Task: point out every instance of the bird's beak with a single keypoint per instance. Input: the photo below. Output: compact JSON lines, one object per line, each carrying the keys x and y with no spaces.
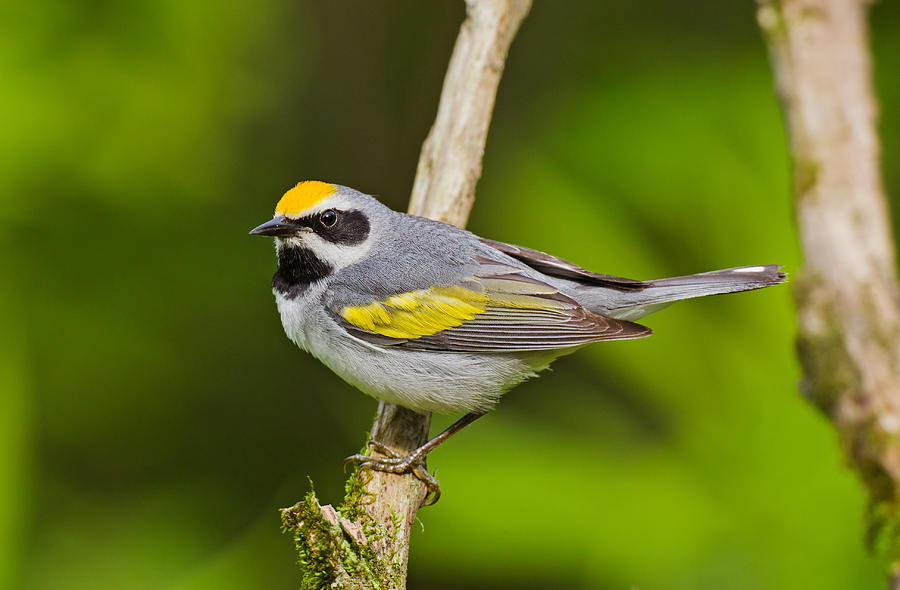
{"x":279,"y":226}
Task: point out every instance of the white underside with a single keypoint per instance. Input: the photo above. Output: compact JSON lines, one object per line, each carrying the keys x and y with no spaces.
{"x":442,"y":382}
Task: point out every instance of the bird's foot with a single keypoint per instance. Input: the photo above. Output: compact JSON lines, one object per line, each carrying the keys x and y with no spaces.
{"x":394,"y":462}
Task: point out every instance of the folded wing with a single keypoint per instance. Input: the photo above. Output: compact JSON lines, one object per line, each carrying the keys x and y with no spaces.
{"x":498,"y":309}
{"x":557,"y":267}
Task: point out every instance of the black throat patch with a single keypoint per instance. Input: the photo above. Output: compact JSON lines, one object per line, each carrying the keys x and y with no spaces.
{"x":298,"y":268}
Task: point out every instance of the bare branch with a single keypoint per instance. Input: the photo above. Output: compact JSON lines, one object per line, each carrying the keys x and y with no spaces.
{"x":366,"y":543}
{"x":847,"y":291}
{"x":450,"y":162}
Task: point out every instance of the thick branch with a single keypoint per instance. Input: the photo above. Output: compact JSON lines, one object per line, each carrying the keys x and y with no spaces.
{"x":366,"y":543}
{"x":847,"y":292}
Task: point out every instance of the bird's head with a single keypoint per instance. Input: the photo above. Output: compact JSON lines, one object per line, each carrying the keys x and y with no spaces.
{"x":331,"y":222}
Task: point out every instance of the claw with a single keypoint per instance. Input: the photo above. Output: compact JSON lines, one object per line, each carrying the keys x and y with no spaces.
{"x":355,"y":459}
{"x":372,"y":445}
{"x":435,"y":495}
{"x":394,"y":462}
{"x":382,"y":448}
{"x":431,"y":482}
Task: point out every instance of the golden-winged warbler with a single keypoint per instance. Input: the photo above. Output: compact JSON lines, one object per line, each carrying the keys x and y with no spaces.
{"x":434,"y":318}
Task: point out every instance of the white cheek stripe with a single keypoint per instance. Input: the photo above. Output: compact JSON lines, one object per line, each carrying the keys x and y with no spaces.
{"x":337,"y":255}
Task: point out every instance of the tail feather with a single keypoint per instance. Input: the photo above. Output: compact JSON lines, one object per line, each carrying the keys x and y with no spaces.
{"x":729,"y":280}
{"x":659,"y":293}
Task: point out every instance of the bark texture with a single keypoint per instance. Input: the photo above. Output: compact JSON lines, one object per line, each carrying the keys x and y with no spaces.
{"x":847,"y":291}
{"x":365,"y":542}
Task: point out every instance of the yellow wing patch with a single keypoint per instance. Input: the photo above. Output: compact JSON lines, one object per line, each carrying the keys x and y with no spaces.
{"x":428,"y":311}
{"x":520,"y":295}
{"x":418,"y":313}
{"x":303,"y":196}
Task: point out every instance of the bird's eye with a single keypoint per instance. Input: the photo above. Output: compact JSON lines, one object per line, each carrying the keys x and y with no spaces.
{"x":328,"y":218}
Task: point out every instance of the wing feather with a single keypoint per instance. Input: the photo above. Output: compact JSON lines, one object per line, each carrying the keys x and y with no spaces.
{"x":499,"y":309}
{"x":558,"y":267}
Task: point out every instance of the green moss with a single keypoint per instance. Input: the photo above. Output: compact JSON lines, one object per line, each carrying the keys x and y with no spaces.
{"x":771,"y":20}
{"x":883,"y":532}
{"x":356,"y":495}
{"x":328,"y":555}
{"x":806,"y":176}
{"x":396,"y":520}
{"x":313,"y":538}
{"x":882,"y":518}
{"x":830,"y":373}
{"x":834,"y":379}
{"x":870,"y":444}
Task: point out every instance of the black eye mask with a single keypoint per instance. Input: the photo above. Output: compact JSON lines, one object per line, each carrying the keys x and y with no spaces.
{"x":348,"y":228}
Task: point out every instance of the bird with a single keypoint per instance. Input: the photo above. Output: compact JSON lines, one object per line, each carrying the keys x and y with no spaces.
{"x":434,"y":318}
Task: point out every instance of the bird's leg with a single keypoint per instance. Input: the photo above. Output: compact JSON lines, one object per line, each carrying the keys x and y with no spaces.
{"x":395,"y":462}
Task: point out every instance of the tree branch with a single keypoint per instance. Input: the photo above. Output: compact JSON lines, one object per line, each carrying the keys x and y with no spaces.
{"x":847,"y":291}
{"x":365,"y":543}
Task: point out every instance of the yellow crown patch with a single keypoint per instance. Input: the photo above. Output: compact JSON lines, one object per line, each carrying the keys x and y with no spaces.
{"x":303,"y":196}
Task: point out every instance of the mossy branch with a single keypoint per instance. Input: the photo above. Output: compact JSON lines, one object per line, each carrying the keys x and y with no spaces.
{"x":365,"y":542}
{"x":847,"y":292}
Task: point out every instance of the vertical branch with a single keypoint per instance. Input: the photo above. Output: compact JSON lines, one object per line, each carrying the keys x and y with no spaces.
{"x":365,"y":543}
{"x":847,"y":291}
{"x":450,"y":162}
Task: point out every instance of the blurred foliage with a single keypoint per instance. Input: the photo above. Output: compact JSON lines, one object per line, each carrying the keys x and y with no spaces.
{"x":153,"y":417}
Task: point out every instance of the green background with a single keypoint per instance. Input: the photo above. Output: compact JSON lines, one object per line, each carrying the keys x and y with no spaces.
{"x":153,"y":417}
